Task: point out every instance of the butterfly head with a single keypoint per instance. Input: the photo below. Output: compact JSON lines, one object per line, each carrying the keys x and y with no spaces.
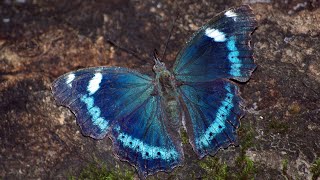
{"x":158,"y":65}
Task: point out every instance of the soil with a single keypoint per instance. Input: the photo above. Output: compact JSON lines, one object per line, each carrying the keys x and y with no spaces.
{"x":41,"y":40}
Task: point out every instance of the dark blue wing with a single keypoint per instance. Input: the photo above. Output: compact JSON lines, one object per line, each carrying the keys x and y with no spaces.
{"x":212,"y":114}
{"x":142,"y":138}
{"x":98,"y":95}
{"x":220,"y":49}
{"x":121,"y":103}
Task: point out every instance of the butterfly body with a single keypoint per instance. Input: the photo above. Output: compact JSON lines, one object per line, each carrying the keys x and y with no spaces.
{"x":143,"y":115}
{"x":167,"y":89}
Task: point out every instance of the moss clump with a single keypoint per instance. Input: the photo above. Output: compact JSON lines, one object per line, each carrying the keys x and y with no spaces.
{"x":217,"y":170}
{"x":246,"y":168}
{"x":315,"y":169}
{"x":246,"y":133}
{"x":285,"y":166}
{"x":97,"y":171}
{"x":214,"y":168}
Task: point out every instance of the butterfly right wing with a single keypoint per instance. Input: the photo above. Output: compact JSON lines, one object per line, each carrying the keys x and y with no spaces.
{"x":220,"y":50}
{"x":212,"y":112}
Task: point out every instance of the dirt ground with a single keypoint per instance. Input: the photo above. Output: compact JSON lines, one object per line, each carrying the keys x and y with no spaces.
{"x":41,"y":40}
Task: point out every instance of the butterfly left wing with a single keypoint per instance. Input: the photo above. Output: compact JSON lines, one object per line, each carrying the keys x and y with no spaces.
{"x":97,"y":95}
{"x":121,"y":103}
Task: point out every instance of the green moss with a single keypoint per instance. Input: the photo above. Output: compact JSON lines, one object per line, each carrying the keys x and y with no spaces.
{"x":214,"y":168}
{"x":278,"y":126}
{"x":246,"y":133}
{"x":315,"y":169}
{"x":285,"y":166}
{"x":246,"y":168}
{"x":98,"y":171}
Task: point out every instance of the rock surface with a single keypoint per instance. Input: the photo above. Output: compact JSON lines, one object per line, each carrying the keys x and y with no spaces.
{"x":41,"y":40}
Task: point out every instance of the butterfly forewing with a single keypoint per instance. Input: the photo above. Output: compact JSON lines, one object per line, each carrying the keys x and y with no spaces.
{"x":98,"y":95}
{"x":220,"y":49}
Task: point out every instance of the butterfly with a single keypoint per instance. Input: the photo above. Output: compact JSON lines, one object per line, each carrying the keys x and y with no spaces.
{"x":144,"y":115}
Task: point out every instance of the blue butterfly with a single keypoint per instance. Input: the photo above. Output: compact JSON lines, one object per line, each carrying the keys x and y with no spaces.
{"x":143,"y":115}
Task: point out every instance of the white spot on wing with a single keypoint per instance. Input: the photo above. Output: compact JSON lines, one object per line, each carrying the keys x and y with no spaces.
{"x":94,"y":83}
{"x":70,"y":78}
{"x":231,"y":14}
{"x":217,"y":35}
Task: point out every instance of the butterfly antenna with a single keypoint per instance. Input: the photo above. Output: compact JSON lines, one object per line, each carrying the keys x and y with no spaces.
{"x":169,"y":36}
{"x":155,"y":56}
{"x":133,"y":53}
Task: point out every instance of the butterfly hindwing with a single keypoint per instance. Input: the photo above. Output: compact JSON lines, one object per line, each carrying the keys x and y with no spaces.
{"x":220,"y":49}
{"x":120,"y":103}
{"x":213,"y":112}
{"x":142,"y":138}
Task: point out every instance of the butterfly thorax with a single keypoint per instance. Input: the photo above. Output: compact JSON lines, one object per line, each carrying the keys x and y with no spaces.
{"x":166,"y":88}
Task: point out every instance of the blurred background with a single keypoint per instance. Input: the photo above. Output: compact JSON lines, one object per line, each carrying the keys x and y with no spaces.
{"x":41,"y":40}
